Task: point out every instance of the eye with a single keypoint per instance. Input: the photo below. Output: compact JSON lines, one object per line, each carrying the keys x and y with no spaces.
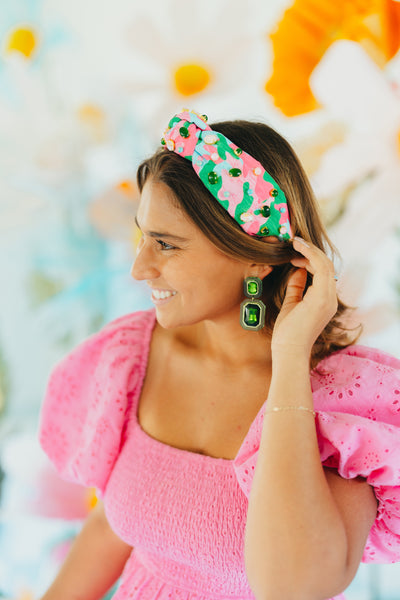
{"x":165,"y":246}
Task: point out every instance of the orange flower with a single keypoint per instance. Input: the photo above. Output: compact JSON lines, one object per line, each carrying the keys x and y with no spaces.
{"x":309,"y":27}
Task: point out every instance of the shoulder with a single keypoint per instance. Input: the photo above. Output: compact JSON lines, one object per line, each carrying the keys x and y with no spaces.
{"x":129,"y":334}
{"x":90,"y":395}
{"x":109,"y":361}
{"x":134,"y":327}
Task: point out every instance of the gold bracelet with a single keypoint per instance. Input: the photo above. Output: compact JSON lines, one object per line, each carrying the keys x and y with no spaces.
{"x":277,"y":408}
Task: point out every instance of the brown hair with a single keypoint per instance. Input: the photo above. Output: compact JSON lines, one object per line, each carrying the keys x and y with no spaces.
{"x":280,"y":160}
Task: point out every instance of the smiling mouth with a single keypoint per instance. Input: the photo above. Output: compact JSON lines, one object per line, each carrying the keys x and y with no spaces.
{"x":162,"y":294}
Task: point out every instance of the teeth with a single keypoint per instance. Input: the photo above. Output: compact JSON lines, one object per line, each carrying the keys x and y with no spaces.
{"x":161,"y":294}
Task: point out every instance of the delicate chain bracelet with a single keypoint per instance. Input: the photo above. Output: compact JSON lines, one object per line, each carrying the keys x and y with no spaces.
{"x":278,"y":408}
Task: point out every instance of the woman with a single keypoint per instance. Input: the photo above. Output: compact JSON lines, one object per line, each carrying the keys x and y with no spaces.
{"x":234,"y":434}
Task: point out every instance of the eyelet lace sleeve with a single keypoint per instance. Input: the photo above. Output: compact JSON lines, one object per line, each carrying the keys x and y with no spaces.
{"x":356,"y":394}
{"x":88,"y":398}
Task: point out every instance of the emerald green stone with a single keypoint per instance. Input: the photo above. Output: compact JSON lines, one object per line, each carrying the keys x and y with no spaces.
{"x":264,"y":231}
{"x":163,"y":142}
{"x":235,"y":172}
{"x":265,"y":211}
{"x":205,"y":118}
{"x":212,"y":177}
{"x":184,"y":131}
{"x":252,"y":288}
{"x":252,"y":315}
{"x":238,"y":151}
{"x":274,"y":193}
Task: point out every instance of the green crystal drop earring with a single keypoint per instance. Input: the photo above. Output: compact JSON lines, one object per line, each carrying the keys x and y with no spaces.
{"x":252,"y":312}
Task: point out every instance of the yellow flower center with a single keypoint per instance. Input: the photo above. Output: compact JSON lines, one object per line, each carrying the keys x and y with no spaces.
{"x":191,"y":79}
{"x":91,"y":498}
{"x":23,"y":40}
{"x":94,"y":120}
{"x":90,"y":112}
{"x":2,"y":400}
{"x":25,"y":595}
{"x":398,"y":142}
{"x":127,"y":187}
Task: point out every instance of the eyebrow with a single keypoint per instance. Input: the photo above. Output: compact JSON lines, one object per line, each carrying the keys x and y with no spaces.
{"x":157,"y":234}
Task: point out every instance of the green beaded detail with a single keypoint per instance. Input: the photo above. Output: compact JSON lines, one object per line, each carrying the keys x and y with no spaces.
{"x":163,"y":142}
{"x":265,"y":211}
{"x":213,"y":178}
{"x":215,"y":158}
{"x":172,"y":122}
{"x":252,"y":315}
{"x":252,"y":287}
{"x":184,"y":131}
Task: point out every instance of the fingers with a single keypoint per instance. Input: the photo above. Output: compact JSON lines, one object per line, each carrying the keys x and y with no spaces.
{"x":295,"y":288}
{"x":316,"y":262}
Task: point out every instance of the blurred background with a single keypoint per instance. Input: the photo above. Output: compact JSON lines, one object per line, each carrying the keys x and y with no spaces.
{"x":86,"y":89}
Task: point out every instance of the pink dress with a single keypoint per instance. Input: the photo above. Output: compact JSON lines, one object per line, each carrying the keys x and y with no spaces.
{"x":184,"y":513}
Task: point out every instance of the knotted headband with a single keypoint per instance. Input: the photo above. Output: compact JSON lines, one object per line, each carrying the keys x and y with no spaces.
{"x":237,"y":180}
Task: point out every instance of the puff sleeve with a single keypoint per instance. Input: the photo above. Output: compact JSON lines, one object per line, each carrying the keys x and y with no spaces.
{"x":356,"y":394}
{"x":88,"y":398}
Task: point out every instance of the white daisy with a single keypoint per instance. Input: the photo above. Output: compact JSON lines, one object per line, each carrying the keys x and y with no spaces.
{"x":206,"y":56}
{"x":356,"y":92}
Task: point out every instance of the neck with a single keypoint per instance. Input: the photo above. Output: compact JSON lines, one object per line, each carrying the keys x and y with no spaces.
{"x":224,"y":342}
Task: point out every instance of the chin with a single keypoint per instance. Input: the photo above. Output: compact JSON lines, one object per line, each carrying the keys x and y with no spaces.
{"x":168,"y":321}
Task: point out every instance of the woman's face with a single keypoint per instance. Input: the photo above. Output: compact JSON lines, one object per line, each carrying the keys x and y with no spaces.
{"x":191,"y":280}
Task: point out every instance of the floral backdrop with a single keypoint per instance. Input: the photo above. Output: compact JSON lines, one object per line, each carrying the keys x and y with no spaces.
{"x":86,"y":87}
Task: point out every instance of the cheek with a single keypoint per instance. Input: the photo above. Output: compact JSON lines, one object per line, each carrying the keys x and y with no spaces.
{"x":204,"y":274}
{"x":223,"y":283}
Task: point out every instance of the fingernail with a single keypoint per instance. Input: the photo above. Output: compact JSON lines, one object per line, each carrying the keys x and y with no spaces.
{"x":299,"y":239}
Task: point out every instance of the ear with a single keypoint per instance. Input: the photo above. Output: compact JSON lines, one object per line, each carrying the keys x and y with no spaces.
{"x":258,"y":270}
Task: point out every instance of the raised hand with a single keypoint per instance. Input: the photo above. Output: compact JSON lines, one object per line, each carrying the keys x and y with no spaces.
{"x":303,"y":317}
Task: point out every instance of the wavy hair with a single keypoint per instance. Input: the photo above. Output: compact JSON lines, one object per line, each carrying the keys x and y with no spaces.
{"x":279,"y":159}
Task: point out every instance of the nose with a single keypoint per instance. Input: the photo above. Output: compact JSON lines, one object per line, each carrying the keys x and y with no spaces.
{"x":144,"y":266}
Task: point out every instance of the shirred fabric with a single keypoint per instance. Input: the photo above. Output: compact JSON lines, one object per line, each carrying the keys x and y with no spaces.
{"x":184,"y":513}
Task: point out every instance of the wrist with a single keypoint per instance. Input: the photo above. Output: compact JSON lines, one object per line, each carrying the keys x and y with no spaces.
{"x":295,"y":354}
{"x":290,"y":375}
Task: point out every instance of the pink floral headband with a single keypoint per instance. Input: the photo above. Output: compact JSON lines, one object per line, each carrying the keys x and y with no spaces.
{"x":237,"y":180}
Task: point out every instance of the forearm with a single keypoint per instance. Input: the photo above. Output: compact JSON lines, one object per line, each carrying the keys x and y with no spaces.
{"x":294,"y":529}
{"x":94,"y":563}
